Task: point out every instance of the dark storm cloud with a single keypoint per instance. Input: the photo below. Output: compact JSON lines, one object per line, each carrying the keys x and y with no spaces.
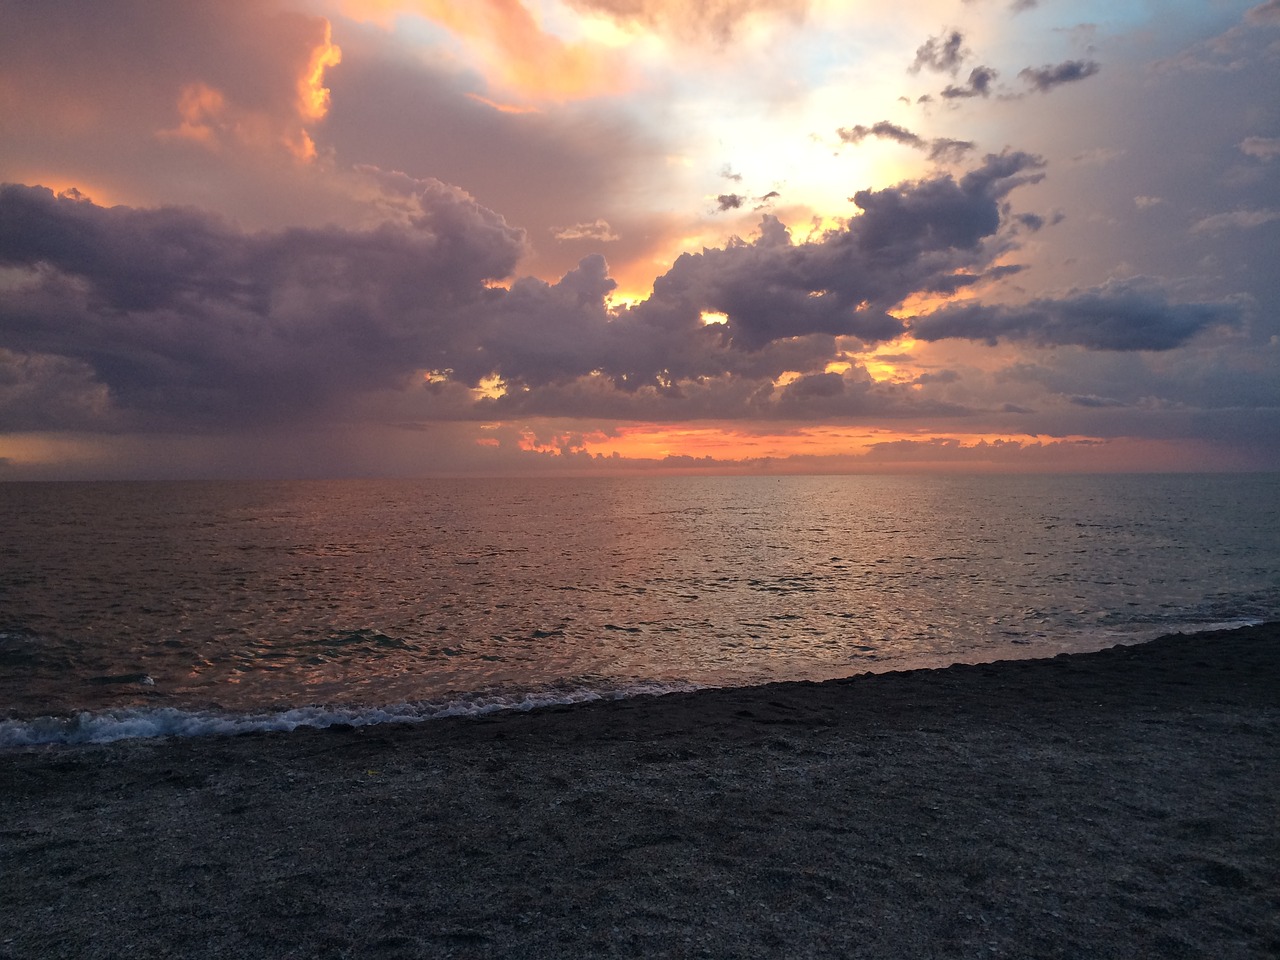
{"x":979,"y":85}
{"x":1119,"y":315}
{"x":729,"y":201}
{"x":47,"y":392}
{"x":171,"y":317}
{"x":1044,"y":79}
{"x":943,"y":213}
{"x":186,"y":319}
{"x":941,"y":54}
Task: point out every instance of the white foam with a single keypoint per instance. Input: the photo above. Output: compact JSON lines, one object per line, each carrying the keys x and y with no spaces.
{"x":150,"y":722}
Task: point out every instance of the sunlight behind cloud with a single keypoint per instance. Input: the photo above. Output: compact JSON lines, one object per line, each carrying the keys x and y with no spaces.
{"x":510,"y":46}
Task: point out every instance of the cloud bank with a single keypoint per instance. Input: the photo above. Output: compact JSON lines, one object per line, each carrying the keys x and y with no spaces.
{"x":171,"y":318}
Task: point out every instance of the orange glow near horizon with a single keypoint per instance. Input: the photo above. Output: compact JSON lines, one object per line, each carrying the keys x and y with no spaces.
{"x":730,"y":445}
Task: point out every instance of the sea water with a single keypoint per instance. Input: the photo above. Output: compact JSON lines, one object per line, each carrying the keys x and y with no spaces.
{"x":131,"y":609}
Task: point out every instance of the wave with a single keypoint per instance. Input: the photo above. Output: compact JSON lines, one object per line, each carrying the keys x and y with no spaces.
{"x":107,"y":726}
{"x":153,"y":722}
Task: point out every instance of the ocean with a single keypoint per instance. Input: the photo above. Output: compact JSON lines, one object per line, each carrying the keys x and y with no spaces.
{"x":154,"y":609}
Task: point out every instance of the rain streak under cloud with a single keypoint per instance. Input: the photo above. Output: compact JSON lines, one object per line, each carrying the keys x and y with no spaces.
{"x":334,"y":238}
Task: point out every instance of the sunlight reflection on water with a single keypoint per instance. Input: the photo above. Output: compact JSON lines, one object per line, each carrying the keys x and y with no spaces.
{"x":244,"y":595}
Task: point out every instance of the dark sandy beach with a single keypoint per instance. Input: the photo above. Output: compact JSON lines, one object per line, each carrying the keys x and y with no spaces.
{"x":1119,"y":804}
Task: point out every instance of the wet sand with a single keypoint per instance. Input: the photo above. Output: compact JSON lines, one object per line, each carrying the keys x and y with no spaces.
{"x":1118,"y":804}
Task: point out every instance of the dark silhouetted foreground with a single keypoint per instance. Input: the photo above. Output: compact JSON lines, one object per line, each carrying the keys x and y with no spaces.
{"x":1116,"y":804}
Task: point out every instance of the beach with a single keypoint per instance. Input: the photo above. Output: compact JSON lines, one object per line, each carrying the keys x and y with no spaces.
{"x":1121,"y":803}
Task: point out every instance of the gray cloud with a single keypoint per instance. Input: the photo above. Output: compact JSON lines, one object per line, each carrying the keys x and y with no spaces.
{"x":947,"y":149}
{"x":978,"y":85}
{"x":1044,"y":79}
{"x":1264,"y":148}
{"x":187,"y":319}
{"x":883,"y":129}
{"x":1264,"y":14}
{"x":1118,"y":315}
{"x":172,"y":317}
{"x":1094,"y":401}
{"x":1234,"y":220}
{"x":941,"y":54}
{"x":574,"y":161}
{"x":1235,"y":49}
{"x":942,"y":149}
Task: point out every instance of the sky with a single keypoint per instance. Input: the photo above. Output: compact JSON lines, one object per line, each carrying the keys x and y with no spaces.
{"x":312,"y":238}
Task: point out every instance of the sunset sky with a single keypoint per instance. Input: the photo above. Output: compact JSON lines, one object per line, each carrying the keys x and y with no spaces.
{"x":406,"y":237}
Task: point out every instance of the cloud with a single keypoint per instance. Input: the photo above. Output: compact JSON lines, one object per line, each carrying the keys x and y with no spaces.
{"x":186,"y":319}
{"x":575,"y":161}
{"x":946,"y":149}
{"x":1235,"y":220}
{"x":883,"y":129}
{"x":171,"y":317}
{"x":941,"y":54}
{"x":598,"y":230}
{"x":1044,"y":79}
{"x":45,"y":392}
{"x":941,"y":149}
{"x":729,"y":201}
{"x":1094,"y":401}
{"x":1121,"y":315}
{"x":229,"y":76}
{"x":1264,"y":14}
{"x":1264,"y":148}
{"x":1234,"y":50}
{"x":979,"y":85}
{"x":717,"y":20}
{"x":510,"y":48}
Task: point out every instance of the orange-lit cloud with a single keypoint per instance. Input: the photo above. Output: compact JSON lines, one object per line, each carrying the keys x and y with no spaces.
{"x":504,"y":107}
{"x":514,"y":49}
{"x":313,"y":95}
{"x":208,"y":117}
{"x":719,"y":21}
{"x":203,"y":111}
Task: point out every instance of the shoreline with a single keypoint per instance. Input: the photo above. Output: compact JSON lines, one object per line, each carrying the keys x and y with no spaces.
{"x":1115,"y":803}
{"x":159,"y":718}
